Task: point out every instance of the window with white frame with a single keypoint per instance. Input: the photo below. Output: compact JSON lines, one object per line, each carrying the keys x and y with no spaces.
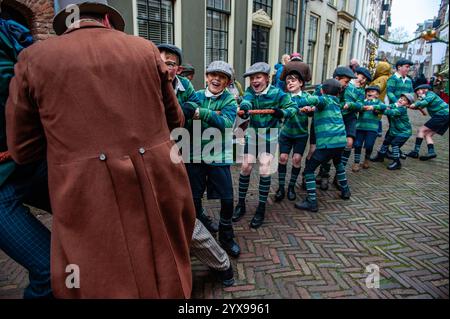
{"x":327,"y":49}
{"x":217,"y":23}
{"x":155,"y":19}
{"x":291,"y":25}
{"x":266,"y":5}
{"x":312,"y":40}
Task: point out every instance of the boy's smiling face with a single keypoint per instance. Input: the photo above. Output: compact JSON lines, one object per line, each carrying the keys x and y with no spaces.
{"x":421,"y":92}
{"x":361,"y":79}
{"x":259,"y":82}
{"x":217,"y":82}
{"x":404,"y":70}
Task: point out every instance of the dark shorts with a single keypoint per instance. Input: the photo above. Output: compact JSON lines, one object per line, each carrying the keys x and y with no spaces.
{"x":438,"y":124}
{"x":395,"y":140}
{"x":350,"y":125}
{"x":312,"y":134}
{"x":366,"y":139}
{"x":298,"y":145}
{"x":256,"y":150}
{"x":216,"y":180}
{"x":323,"y":156}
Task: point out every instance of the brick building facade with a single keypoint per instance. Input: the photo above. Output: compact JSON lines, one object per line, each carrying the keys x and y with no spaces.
{"x":37,"y":15}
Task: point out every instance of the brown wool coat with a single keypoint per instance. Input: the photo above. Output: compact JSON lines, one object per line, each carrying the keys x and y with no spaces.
{"x":99,"y":104}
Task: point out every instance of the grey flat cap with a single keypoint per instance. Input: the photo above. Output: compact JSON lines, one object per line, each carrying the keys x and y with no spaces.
{"x":260,"y":67}
{"x":221,"y":67}
{"x":409,"y":97}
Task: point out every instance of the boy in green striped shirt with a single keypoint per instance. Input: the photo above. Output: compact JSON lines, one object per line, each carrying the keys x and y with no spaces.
{"x":209,"y":168}
{"x":366,"y":128}
{"x":400,"y":128}
{"x":438,"y":124}
{"x":294,"y":133}
{"x":262,"y":136}
{"x":331,"y":139}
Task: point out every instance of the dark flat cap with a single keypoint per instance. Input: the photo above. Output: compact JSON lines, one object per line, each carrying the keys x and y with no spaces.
{"x":331,"y":87}
{"x":344,"y":71}
{"x":402,"y":62}
{"x":172,"y":49}
{"x":373,"y":88}
{"x":423,"y":86}
{"x":365,"y":72}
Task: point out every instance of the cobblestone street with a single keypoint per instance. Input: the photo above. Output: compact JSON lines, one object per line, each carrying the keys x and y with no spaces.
{"x":395,"y":220}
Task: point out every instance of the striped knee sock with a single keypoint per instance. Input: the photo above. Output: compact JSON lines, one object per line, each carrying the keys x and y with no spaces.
{"x":294,"y":176}
{"x":396,"y":152}
{"x":311,"y":187}
{"x":384,"y":148}
{"x":244,"y":182}
{"x":226,"y":214}
{"x":264,"y":188}
{"x":418,"y":144}
{"x":341,"y":177}
{"x":431,"y":149}
{"x":282,"y":169}
{"x":358,"y":151}
{"x":345,"y":156}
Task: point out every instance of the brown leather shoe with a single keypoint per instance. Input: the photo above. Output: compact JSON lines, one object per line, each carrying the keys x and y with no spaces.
{"x":366,"y":164}
{"x":356,"y":168}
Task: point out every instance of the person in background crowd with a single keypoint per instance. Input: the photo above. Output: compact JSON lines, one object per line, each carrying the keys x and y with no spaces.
{"x":354,"y":63}
{"x":22,"y":236}
{"x":276,"y":81}
{"x":382,"y":74}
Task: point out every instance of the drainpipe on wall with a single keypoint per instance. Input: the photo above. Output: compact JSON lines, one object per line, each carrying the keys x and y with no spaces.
{"x":354,"y":30}
{"x":301,"y":34}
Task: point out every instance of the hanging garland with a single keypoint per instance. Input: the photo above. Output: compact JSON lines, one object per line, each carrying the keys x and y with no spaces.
{"x":429,"y":35}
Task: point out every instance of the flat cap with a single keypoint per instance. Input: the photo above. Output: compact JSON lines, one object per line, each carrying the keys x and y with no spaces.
{"x":221,"y":67}
{"x":402,"y":62}
{"x":373,"y":88}
{"x":331,"y":87}
{"x":423,"y":86}
{"x":409,"y":97}
{"x":344,"y":71}
{"x":365,"y":72}
{"x":172,"y":49}
{"x":259,"y":67}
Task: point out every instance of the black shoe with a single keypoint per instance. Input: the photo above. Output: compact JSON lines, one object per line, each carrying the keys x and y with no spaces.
{"x":208,"y":222}
{"x":226,"y":276}
{"x":307,"y":205}
{"x":239,"y":212}
{"x":279,"y":196}
{"x":413,"y":154}
{"x":324,"y":183}
{"x":258,"y":219}
{"x":226,"y":240}
{"x":379,"y":158}
{"x":291,"y":193}
{"x":395,"y":165}
{"x":427,"y":157}
{"x":346,"y":194}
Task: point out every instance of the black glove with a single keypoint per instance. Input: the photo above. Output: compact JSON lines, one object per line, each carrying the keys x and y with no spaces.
{"x":188,"y":111}
{"x":278,"y":113}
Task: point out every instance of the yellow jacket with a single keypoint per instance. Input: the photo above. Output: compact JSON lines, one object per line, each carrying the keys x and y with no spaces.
{"x":382,"y":74}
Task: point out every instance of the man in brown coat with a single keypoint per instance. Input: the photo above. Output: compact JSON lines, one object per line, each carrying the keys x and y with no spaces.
{"x":99,"y":105}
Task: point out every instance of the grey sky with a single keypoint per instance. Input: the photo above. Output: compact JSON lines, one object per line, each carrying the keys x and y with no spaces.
{"x":407,"y":13}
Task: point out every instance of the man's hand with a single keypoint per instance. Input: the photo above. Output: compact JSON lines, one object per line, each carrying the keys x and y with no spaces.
{"x":278,"y":113}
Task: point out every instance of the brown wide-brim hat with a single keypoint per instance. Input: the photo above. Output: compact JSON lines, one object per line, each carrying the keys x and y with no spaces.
{"x":298,"y":67}
{"x":115,"y":18}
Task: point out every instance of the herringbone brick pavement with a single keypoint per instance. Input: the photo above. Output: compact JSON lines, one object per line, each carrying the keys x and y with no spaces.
{"x":395,"y":220}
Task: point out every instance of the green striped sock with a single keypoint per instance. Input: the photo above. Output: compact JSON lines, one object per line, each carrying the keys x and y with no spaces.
{"x":282,"y":169}
{"x":311,"y":187}
{"x":244,"y":182}
{"x":264,"y":188}
{"x":294,"y":176}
